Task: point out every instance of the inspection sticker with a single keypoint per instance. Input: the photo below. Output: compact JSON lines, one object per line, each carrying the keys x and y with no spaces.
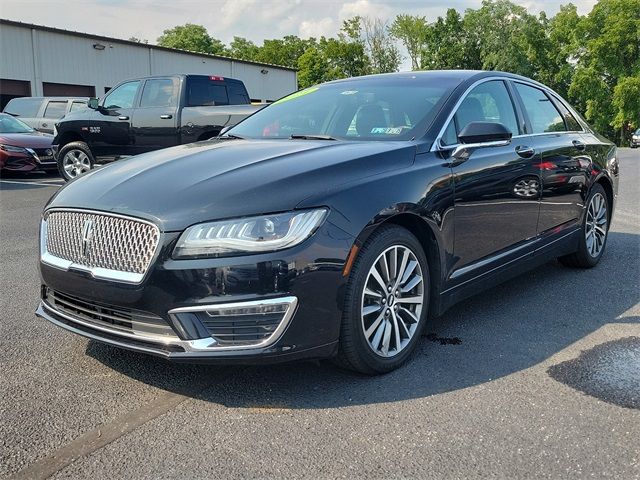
{"x":387,"y":130}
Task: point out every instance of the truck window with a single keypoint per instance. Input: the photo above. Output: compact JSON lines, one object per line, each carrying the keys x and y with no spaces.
{"x":55,"y":109}
{"x":237,"y":94}
{"x":23,"y":107}
{"x":158,"y":92}
{"x":203,"y":91}
{"x":122,"y":96}
{"x":75,"y":106}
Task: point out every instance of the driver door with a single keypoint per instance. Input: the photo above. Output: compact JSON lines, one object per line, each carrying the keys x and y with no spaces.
{"x":496,"y":190}
{"x":110,"y":132}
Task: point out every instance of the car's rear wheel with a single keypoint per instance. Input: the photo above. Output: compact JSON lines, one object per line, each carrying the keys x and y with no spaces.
{"x":386,"y":302}
{"x":74,"y":159}
{"x":595,"y":229}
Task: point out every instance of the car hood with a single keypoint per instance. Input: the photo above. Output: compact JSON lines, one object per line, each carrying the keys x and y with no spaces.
{"x":188,"y":184}
{"x":31,"y":139}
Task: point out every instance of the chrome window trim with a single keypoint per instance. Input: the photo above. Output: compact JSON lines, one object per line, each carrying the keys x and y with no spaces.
{"x":212,"y":345}
{"x":437,"y":144}
{"x":95,"y":272}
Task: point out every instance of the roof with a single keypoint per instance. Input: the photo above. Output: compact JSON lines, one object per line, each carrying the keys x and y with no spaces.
{"x":137,"y":44}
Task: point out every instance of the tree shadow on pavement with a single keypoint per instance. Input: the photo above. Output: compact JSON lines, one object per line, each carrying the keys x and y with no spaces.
{"x":501,"y":331}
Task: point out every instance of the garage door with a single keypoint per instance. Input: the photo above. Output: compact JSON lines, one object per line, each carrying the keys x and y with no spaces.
{"x":11,"y":89}
{"x":67,"y":90}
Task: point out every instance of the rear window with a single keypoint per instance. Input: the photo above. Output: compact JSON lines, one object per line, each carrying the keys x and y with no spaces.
{"x":203,"y":91}
{"x":78,"y":106}
{"x":543,"y":115}
{"x":159,"y":92}
{"x":237,"y":94}
{"x":55,"y":109}
{"x":23,"y":107}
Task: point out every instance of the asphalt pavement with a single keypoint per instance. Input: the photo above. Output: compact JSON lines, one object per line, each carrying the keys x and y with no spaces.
{"x":539,"y":377}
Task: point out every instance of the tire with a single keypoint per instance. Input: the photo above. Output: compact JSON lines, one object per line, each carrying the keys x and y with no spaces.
{"x":365,"y":352}
{"x":74,"y":159}
{"x":588,"y":254}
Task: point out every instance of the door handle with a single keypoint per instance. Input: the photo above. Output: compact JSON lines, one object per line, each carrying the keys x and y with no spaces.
{"x":166,"y":116}
{"x":123,"y":117}
{"x":579,"y":145}
{"x":525,"y":152}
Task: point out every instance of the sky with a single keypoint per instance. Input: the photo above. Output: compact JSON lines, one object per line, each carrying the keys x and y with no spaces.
{"x":224,"y":19}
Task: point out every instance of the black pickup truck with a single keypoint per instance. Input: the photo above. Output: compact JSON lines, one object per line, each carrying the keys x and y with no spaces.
{"x":145,"y":114}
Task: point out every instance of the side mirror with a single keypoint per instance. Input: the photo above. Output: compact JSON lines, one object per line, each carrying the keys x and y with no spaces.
{"x":480,"y":135}
{"x":93,"y":103}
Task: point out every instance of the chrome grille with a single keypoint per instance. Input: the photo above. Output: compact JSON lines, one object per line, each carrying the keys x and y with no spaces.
{"x":118,"y":319}
{"x":103,"y":241}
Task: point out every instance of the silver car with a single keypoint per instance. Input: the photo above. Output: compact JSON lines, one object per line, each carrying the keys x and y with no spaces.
{"x":42,"y":113}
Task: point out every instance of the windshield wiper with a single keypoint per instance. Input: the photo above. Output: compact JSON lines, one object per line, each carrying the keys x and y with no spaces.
{"x":231,"y":136}
{"x":311,"y":136}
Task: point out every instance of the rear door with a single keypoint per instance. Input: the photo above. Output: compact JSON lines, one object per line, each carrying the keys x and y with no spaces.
{"x":54,"y":110}
{"x":496,"y":191}
{"x":110,"y":131}
{"x":155,"y":122}
{"x":563,"y":158}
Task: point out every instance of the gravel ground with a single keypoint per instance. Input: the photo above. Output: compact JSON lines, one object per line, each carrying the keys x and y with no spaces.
{"x":534,"y":378}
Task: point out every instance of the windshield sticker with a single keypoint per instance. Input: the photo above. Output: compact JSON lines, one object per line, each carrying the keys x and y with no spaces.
{"x":387,"y":130}
{"x":349,"y":92}
{"x":299,"y":94}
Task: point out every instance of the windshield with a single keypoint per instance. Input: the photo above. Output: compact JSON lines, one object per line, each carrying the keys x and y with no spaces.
{"x":8,"y":124}
{"x":372,"y":109}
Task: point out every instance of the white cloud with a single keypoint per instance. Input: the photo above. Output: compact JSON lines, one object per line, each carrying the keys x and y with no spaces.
{"x":224,"y":19}
{"x":317,"y":28}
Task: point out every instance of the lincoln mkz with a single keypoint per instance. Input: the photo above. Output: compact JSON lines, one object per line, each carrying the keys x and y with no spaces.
{"x":336,"y":222}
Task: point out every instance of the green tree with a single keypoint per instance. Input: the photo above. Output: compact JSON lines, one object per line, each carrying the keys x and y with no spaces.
{"x":563,"y":47}
{"x":242,"y":48}
{"x":626,"y":100}
{"x":313,"y":68}
{"x":608,"y":56}
{"x":191,"y":37}
{"x":285,"y":51}
{"x":381,"y":50}
{"x":412,"y":31}
{"x":449,"y":45}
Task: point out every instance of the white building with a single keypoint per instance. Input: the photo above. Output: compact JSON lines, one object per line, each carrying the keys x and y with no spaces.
{"x":44,"y":61}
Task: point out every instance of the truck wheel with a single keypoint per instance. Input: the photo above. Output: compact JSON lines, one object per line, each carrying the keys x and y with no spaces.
{"x":74,"y":159}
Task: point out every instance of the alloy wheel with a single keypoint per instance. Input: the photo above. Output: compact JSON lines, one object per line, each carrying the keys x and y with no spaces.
{"x":76,"y":162}
{"x":392,"y":301}
{"x":527,"y":188}
{"x":596,"y":225}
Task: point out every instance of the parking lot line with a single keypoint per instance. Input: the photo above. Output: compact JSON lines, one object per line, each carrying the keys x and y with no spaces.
{"x":99,"y":437}
{"x":27,"y":182}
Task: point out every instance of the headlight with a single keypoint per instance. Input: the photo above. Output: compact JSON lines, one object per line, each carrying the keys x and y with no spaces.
{"x":11,"y":148}
{"x":265,"y":233}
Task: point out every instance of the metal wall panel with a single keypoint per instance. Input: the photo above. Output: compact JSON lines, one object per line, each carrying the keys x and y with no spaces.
{"x":16,"y":60}
{"x":39,"y":55}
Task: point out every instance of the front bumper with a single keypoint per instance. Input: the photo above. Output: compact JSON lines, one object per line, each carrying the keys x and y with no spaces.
{"x":310,"y":273}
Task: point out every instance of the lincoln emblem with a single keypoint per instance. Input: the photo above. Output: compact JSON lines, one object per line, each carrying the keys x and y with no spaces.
{"x":87,"y":234}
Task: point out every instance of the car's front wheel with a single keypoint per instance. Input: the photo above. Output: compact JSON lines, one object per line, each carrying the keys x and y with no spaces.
{"x":74,"y":159}
{"x":595,"y":228}
{"x":386,"y":302}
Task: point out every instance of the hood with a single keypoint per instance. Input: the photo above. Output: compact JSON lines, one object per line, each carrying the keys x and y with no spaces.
{"x":29,"y":140}
{"x":188,"y":184}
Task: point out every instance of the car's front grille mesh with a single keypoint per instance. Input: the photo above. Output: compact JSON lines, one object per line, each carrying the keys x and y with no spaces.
{"x":101,"y":240}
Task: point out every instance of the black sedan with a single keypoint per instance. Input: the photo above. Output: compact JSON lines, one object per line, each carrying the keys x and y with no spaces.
{"x":334,"y":223}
